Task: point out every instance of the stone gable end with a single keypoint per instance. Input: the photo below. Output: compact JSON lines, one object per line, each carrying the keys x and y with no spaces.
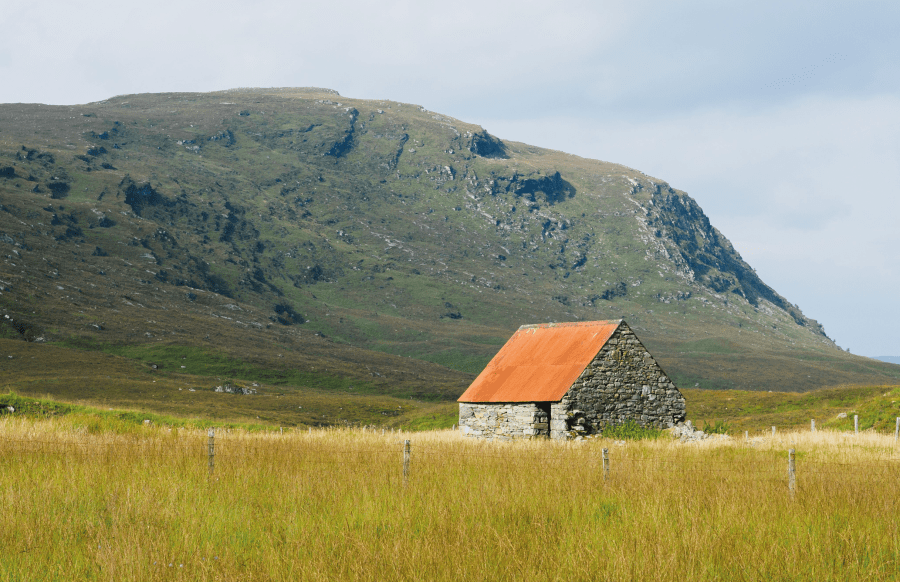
{"x":622,"y":383}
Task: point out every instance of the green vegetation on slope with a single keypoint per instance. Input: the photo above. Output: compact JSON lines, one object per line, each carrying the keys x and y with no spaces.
{"x":832,"y":408}
{"x":109,"y":382}
{"x":300,"y":221}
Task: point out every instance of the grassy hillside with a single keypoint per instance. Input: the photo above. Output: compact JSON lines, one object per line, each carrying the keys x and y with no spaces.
{"x":283,"y":396}
{"x":386,"y":243}
{"x":832,"y":408}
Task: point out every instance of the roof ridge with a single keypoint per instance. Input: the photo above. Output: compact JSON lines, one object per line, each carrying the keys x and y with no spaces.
{"x":550,"y":324}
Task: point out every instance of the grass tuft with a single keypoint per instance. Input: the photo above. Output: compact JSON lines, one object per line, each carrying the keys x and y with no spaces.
{"x":630,"y":430}
{"x":720,"y":427}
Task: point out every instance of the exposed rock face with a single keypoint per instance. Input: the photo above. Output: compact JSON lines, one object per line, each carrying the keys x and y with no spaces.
{"x":623,"y":383}
{"x":346,"y":141}
{"x":487,"y":146}
{"x":140,"y":196}
{"x":709,"y":258}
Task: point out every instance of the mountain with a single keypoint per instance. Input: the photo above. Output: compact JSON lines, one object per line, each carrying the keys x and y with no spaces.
{"x":375,"y":240}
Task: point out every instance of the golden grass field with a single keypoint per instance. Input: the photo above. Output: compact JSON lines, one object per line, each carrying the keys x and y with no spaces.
{"x":83,"y":499}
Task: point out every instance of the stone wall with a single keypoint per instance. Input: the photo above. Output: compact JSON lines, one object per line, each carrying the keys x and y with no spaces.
{"x":503,"y":421}
{"x":622,"y":383}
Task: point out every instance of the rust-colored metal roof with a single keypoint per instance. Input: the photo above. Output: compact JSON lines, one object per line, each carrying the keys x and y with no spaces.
{"x":540,"y":362}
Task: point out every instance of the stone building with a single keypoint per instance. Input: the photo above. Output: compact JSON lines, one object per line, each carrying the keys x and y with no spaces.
{"x":565,"y":380}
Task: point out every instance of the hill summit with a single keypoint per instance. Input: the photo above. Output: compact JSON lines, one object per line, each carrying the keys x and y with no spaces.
{"x":379,"y":236}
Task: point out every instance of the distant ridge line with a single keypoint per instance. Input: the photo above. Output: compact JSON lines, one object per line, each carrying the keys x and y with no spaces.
{"x":278,"y":89}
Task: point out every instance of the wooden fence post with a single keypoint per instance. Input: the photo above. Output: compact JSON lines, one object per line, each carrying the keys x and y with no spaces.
{"x":746,"y":436}
{"x":792,"y":484}
{"x":773,"y":432}
{"x":605,"y":464}
{"x":897,"y":430}
{"x":406,"y":451}
{"x":812,"y":425}
{"x":856,"y":423}
{"x":211,"y":451}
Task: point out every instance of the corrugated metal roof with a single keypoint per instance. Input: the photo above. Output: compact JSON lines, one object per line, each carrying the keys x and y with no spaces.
{"x":540,"y":362}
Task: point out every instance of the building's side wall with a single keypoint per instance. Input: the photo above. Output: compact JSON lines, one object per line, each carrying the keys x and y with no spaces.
{"x":503,"y":421}
{"x":622,"y":383}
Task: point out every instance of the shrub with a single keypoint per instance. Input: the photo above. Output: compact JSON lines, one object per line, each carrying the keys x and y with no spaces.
{"x":721,"y":427}
{"x":631,"y":430}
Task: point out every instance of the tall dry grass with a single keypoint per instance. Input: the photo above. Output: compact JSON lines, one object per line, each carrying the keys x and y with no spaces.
{"x":81,"y":503}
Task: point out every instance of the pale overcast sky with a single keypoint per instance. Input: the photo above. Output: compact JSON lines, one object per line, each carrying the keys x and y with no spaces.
{"x":782,"y":119}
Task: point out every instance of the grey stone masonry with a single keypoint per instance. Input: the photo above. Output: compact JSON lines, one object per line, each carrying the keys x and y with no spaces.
{"x":503,"y":421}
{"x":622,"y":383}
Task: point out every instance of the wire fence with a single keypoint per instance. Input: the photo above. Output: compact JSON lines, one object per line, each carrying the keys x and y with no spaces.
{"x":766,"y":465}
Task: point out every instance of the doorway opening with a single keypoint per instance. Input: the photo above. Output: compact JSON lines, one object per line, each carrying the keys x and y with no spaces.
{"x":545,"y":408}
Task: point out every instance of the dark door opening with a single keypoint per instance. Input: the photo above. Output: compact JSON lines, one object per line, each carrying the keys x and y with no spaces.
{"x":545,"y":408}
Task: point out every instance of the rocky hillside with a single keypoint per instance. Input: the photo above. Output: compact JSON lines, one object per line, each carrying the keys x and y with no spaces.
{"x":320,"y":228}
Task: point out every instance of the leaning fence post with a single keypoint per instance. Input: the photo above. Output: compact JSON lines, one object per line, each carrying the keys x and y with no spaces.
{"x":792,"y":484}
{"x":605,"y":464}
{"x":406,"y":448}
{"x":211,"y":452}
{"x":812,"y":425}
{"x":856,"y":423}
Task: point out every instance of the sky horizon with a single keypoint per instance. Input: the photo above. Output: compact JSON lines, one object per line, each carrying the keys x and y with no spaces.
{"x":780,"y":119}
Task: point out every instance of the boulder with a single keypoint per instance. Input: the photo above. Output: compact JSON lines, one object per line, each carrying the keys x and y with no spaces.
{"x":230,"y":388}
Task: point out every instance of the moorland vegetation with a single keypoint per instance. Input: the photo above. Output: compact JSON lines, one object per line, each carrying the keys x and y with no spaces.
{"x":300,"y":238}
